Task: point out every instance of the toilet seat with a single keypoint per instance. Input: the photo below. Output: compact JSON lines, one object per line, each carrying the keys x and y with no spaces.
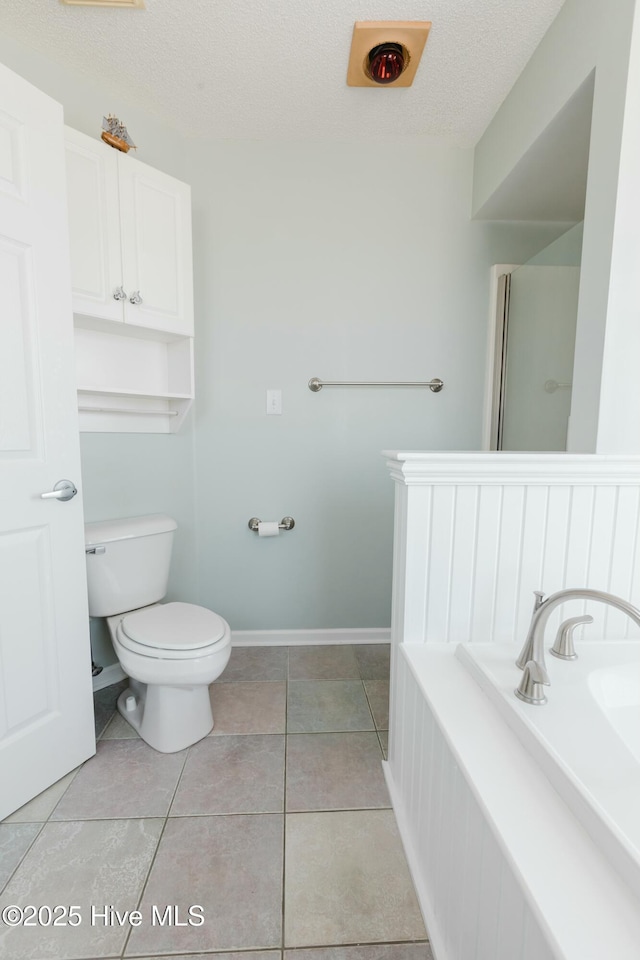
{"x":173,"y":631}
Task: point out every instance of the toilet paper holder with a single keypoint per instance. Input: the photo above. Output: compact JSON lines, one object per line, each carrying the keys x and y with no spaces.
{"x":287,"y":523}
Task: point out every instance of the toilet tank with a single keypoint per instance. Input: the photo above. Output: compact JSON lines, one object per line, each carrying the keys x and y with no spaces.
{"x":127,"y":562}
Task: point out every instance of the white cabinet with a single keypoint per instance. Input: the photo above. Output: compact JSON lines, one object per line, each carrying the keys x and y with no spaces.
{"x":155,"y":230}
{"x":130,"y":230}
{"x":94,"y":227}
{"x":132,"y":286}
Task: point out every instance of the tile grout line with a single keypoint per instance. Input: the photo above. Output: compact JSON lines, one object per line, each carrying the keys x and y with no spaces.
{"x":21,"y":860}
{"x":68,"y":787}
{"x":284,"y":807}
{"x":199,"y":953}
{"x":377,"y":729}
{"x":43,"y":824}
{"x":100,"y":736}
{"x":353,"y":943}
{"x":155,"y":853}
{"x":373,"y":719}
{"x":203,"y":816}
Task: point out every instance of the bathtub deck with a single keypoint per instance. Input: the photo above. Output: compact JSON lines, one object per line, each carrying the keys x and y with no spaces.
{"x":502,"y":866}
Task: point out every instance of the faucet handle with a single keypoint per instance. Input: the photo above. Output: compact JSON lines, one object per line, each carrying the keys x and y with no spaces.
{"x":539,"y":599}
{"x":563,"y":647}
{"x":534,"y":677}
{"x":526,"y":654}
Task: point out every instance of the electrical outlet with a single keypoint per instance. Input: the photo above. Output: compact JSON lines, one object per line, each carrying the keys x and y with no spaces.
{"x":274,"y":402}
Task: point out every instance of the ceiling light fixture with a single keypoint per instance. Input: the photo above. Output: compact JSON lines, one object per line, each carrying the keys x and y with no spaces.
{"x":386,"y":62}
{"x":386,"y":53}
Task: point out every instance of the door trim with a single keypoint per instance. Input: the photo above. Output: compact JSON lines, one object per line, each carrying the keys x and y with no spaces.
{"x":495,"y":338}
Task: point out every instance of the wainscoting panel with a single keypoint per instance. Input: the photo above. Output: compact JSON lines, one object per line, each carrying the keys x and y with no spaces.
{"x":474,"y":906}
{"x":476,"y":534}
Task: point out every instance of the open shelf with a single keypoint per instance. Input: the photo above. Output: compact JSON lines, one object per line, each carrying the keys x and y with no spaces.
{"x":135,"y":393}
{"x":131,"y":383}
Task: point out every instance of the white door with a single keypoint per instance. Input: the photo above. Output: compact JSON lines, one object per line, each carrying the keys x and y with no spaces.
{"x":46,"y":708}
{"x":155,"y":226}
{"x":94,"y":227}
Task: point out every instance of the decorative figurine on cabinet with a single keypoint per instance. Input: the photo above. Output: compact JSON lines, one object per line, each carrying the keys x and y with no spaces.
{"x":115,"y":134}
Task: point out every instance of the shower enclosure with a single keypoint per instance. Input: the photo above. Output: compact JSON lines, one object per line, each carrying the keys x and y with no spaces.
{"x":533,"y":364}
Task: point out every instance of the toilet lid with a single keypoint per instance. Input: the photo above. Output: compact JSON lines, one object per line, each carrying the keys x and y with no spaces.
{"x":174,"y":626}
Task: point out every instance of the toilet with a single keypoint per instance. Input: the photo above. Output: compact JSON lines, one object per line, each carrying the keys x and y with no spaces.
{"x":171,"y":652}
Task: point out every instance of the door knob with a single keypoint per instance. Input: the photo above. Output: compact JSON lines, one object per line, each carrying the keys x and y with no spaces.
{"x":135,"y":297}
{"x":63,"y":490}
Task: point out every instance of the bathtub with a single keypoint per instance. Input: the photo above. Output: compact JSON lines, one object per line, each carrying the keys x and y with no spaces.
{"x":521,"y":824}
{"x":586,"y":738}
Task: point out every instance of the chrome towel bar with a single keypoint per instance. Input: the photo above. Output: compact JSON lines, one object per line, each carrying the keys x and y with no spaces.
{"x":315,"y":384}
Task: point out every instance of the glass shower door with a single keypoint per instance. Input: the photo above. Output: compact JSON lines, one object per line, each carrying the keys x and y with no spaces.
{"x":538,"y":365}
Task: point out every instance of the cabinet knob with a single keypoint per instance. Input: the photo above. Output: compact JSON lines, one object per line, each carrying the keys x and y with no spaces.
{"x":119,"y":294}
{"x":135,"y":297}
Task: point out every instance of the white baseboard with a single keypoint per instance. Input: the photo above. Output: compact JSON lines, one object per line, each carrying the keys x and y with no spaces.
{"x":111,"y":674}
{"x":436,"y":941}
{"x":272,"y":638}
{"x":298,"y":638}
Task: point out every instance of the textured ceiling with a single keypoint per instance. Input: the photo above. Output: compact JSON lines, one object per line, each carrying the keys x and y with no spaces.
{"x":276,"y":69}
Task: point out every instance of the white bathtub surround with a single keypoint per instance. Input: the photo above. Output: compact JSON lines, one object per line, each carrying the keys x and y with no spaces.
{"x":502,"y":866}
{"x":477,"y":533}
{"x":586,"y":738}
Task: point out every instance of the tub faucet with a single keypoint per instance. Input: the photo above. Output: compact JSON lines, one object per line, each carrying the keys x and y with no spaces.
{"x":531,"y":659}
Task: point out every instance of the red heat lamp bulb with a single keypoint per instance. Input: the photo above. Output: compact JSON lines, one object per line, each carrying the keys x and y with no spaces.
{"x":386,"y":62}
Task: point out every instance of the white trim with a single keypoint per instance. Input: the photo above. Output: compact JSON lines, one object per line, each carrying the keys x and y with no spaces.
{"x":420,"y":468}
{"x":496,"y":272}
{"x":470,"y":759}
{"x":273,"y":638}
{"x":111,"y":674}
{"x":298,"y":638}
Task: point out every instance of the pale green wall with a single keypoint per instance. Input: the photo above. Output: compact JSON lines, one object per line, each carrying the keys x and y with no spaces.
{"x":586,"y":37}
{"x":310,"y":260}
{"x":566,"y":251}
{"x":125,"y":475}
{"x":85,"y":103}
{"x":318,"y":260}
{"x":619,"y":413}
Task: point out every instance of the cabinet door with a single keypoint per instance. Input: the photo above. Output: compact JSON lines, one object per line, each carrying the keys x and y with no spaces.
{"x":94,"y":226}
{"x":155,"y":219}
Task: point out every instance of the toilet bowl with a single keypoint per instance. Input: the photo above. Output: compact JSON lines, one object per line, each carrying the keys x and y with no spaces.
{"x":170,"y":651}
{"x":173,"y":651}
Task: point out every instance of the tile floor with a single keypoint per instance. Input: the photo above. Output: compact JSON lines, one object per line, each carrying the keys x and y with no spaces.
{"x":278,"y":825}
